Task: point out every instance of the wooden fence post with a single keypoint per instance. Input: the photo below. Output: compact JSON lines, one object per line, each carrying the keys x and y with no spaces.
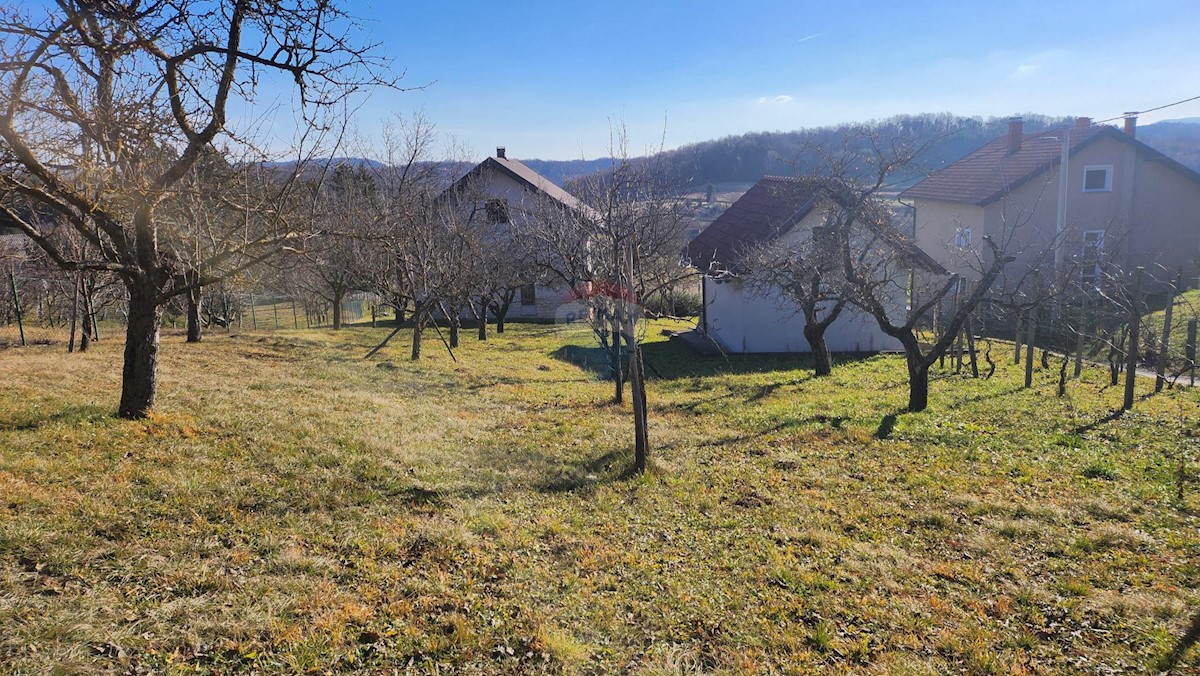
{"x":253,"y":316}
{"x":1030,"y":341}
{"x":1160,"y":378}
{"x":1191,"y":350}
{"x":1131,"y":351}
{"x":1080,"y":335}
{"x":12,"y":280}
{"x":1018,"y":327}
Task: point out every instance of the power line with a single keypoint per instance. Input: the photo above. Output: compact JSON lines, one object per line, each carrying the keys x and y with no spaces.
{"x":1151,"y":110}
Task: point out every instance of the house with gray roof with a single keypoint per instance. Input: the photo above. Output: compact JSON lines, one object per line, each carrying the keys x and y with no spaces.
{"x":504,"y":191}
{"x":792,"y":211}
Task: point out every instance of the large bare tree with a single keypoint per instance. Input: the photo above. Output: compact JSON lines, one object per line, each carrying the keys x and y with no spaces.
{"x":107,"y":108}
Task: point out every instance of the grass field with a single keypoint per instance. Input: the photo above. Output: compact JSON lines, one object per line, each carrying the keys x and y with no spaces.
{"x":292,"y":507}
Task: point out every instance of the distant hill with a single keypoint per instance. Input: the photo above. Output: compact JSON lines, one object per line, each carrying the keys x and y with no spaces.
{"x":561,"y":171}
{"x":745,"y":158}
{"x":1177,"y":139}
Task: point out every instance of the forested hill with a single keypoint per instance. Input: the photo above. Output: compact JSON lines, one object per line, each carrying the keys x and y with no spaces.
{"x":748,"y":157}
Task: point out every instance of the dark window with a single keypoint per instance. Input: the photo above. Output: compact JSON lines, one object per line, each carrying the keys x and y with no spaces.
{"x":528,"y":295}
{"x":825,"y":246}
{"x":497,"y":211}
{"x":1097,"y":179}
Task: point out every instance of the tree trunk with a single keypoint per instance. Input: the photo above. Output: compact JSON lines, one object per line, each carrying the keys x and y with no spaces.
{"x":918,"y":387}
{"x":637,"y":389}
{"x":455,"y":323}
{"x":337,"y":310}
{"x":482,"y":329}
{"x":822,"y":360}
{"x":502,"y":312}
{"x":418,"y":329}
{"x":193,"y":315}
{"x":139,"y":380}
{"x":87,"y":331}
{"x":74,"y":314}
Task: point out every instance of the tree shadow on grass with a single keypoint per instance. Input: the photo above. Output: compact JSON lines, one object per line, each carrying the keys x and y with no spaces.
{"x":888,"y":424}
{"x":1189,"y":639}
{"x":1112,"y":415}
{"x":69,"y":414}
{"x":616,"y":465}
{"x":667,"y":360}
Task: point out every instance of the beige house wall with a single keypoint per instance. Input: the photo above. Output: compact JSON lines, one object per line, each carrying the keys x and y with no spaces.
{"x":937,"y":223}
{"x":1151,"y":216}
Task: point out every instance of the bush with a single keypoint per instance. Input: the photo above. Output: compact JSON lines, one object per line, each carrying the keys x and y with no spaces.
{"x":675,"y":303}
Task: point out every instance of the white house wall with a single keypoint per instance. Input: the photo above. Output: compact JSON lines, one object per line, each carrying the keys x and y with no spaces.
{"x":742,"y":322}
{"x":521,"y":201}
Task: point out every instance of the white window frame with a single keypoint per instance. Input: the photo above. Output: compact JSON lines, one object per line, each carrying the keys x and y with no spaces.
{"x":962,"y":238}
{"x":1108,"y":177}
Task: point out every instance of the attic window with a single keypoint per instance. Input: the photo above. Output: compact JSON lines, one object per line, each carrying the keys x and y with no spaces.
{"x":825,"y":246}
{"x":1097,"y":178}
{"x":497,"y":211}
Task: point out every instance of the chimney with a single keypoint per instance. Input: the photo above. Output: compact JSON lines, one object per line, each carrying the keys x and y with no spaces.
{"x":1016,"y":128}
{"x":1131,"y":123}
{"x":500,"y":152}
{"x":1083,"y":122}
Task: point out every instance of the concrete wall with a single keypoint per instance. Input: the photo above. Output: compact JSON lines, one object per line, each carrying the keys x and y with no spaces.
{"x":742,"y":322}
{"x":936,"y":224}
{"x":1150,"y":217}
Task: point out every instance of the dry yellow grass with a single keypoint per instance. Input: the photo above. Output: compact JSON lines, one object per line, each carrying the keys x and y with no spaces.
{"x":292,"y":507}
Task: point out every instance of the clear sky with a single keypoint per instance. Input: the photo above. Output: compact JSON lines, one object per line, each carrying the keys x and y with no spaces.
{"x":546,"y":79}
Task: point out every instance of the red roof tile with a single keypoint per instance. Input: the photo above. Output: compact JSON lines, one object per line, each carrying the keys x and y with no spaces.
{"x":989,"y":173}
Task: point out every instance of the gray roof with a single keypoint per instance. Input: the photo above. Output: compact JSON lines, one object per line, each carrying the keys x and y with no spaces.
{"x":532,"y":180}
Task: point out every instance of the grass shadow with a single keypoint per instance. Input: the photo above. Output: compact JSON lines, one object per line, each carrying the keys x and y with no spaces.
{"x":888,"y":424}
{"x":1113,"y":415}
{"x":1189,"y":639}
{"x":70,"y":414}
{"x":589,"y":473}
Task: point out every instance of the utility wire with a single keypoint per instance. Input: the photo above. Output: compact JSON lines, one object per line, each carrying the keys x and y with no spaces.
{"x":1150,"y":110}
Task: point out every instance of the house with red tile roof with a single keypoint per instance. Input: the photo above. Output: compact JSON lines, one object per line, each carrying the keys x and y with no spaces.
{"x":743,"y":319}
{"x":1118,"y":200}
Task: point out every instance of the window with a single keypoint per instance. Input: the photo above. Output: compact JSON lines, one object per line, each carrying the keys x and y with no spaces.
{"x":497,"y":211}
{"x":962,"y":238}
{"x":528,"y":295}
{"x":825,"y":246}
{"x":1090,"y":255}
{"x":1097,"y":178}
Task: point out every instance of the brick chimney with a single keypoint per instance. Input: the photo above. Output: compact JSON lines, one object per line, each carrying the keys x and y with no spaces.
{"x":1016,"y":129}
{"x":1131,"y":123}
{"x":500,"y":152}
{"x":1083,"y":122}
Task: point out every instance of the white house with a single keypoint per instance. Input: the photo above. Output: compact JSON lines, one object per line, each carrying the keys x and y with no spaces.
{"x":510,"y":191}
{"x":742,"y":321}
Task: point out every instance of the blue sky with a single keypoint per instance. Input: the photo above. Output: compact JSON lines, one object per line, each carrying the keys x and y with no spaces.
{"x":546,"y":79}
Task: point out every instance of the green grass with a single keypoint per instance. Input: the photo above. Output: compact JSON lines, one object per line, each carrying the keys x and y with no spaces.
{"x":292,"y":507}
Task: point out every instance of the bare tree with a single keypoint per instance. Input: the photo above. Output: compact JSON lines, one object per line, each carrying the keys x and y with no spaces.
{"x":108,"y":106}
{"x":887,"y":275}
{"x":803,"y":268}
{"x":586,"y":250}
